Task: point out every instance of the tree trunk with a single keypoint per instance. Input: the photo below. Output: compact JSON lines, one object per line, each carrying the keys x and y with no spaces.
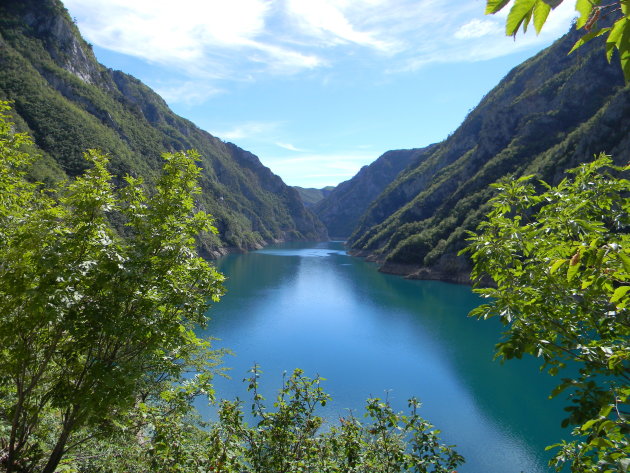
{"x":59,"y":450}
{"x":15,"y":425}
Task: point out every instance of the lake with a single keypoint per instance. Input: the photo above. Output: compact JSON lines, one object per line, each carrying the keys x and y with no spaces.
{"x":312,"y":306}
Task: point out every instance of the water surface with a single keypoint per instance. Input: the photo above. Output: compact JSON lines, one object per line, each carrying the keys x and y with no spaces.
{"x":371,"y":334}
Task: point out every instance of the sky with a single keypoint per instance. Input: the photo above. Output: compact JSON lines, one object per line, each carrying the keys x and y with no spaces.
{"x":315,"y":88}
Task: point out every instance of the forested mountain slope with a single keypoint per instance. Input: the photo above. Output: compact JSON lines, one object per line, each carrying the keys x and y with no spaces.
{"x":548,"y":114}
{"x":69,"y":102}
{"x":342,"y":208}
{"x":311,"y":195}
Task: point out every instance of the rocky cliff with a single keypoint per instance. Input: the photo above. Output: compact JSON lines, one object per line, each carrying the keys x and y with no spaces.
{"x":550,"y":113}
{"x":69,"y":102}
{"x":343,"y":207}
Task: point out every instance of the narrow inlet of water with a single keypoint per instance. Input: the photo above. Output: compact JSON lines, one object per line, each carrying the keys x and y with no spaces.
{"x":312,"y":306}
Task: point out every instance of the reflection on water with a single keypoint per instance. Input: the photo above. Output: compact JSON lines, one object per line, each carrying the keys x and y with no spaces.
{"x":371,"y":334}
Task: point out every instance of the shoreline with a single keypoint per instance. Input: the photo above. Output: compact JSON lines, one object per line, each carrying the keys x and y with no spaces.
{"x":450,"y":268}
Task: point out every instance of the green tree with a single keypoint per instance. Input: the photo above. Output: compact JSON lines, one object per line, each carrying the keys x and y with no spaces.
{"x":524,"y":12}
{"x":289,"y":439}
{"x":559,"y":265}
{"x":100,"y":289}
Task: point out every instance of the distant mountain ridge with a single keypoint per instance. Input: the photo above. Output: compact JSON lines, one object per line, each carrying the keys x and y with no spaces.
{"x":549,"y":114}
{"x":311,"y":195}
{"x":343,"y":207}
{"x":69,"y":102}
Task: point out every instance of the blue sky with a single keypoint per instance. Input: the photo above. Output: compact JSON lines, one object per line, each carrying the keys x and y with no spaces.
{"x":315,"y":88}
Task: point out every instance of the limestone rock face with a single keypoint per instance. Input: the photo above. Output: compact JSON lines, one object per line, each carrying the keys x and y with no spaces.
{"x":69,"y":103}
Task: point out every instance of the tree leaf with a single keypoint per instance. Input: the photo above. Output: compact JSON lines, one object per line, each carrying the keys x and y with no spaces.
{"x":584,"y":8}
{"x":589,"y":36}
{"x":616,"y":37}
{"x":619,"y":293}
{"x":493,"y":6}
{"x":556,"y":265}
{"x":624,"y":50}
{"x":572,"y":271}
{"x":601,"y":443}
{"x":617,"y":31}
{"x":541,"y":12}
{"x":520,"y":11}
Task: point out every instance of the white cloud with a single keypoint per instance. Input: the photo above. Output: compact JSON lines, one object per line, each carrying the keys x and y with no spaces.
{"x":290,"y":147}
{"x":246,"y":130}
{"x":208,"y":38}
{"x":284,"y":60}
{"x":477,"y":28}
{"x":326,"y":19}
{"x":219,"y":40}
{"x":462,"y":39}
{"x":161,"y":31}
{"x":189,"y":92}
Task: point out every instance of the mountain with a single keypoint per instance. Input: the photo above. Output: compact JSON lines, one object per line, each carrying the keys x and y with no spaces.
{"x":310,"y":195}
{"x":549,"y":114}
{"x":69,"y":102}
{"x":342,"y":208}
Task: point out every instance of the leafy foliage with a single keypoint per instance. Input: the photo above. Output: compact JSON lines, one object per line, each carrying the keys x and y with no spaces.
{"x":91,"y":319}
{"x":524,"y":12}
{"x":288,"y":439}
{"x":560,"y":264}
{"x":100,"y":292}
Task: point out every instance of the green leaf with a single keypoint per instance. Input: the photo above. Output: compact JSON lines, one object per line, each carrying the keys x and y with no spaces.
{"x":606,"y":410}
{"x":493,"y":6}
{"x":589,"y":36}
{"x":520,"y":11}
{"x":556,"y":265}
{"x":584,"y":8}
{"x":572,"y":271}
{"x":606,"y":426}
{"x":600,"y":442}
{"x":527,"y":19}
{"x":617,"y":31}
{"x":619,"y":293}
{"x":624,"y":52}
{"x":541,"y":12}
{"x":588,"y":424}
{"x":625,"y":261}
{"x":617,"y":37}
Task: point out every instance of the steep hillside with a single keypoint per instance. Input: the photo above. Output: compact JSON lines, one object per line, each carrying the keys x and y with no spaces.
{"x":310,"y":195}
{"x":548,"y":114}
{"x":341,"y":209}
{"x":69,"y":102}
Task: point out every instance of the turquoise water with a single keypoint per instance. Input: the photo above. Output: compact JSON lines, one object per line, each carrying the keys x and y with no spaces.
{"x":371,"y":334}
